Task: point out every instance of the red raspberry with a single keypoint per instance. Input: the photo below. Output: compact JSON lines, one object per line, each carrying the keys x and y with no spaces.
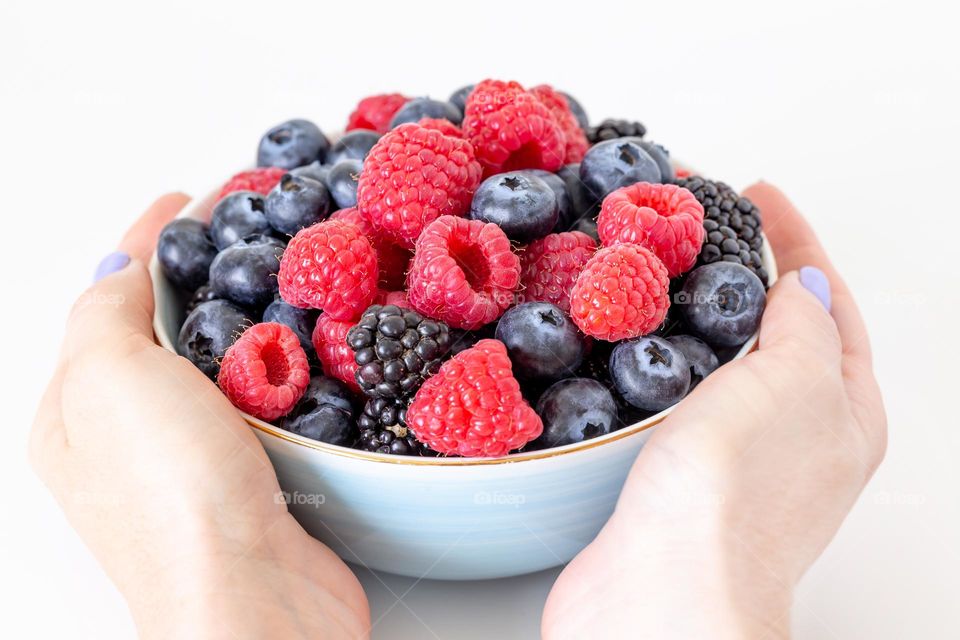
{"x":265,"y":371}
{"x":576,"y":139}
{"x":329,"y":266}
{"x":396,"y":298}
{"x":511,"y":129}
{"x":664,"y":218}
{"x":261,"y":180}
{"x":375,"y":112}
{"x":549,"y":266}
{"x":621,"y":293}
{"x":681,"y":172}
{"x":463,"y":272}
{"x":473,"y":406}
{"x":442,"y":125}
{"x":392,"y":260}
{"x":411,"y":177}
{"x":330,"y":340}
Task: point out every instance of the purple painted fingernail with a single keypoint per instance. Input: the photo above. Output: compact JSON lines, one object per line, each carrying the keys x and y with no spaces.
{"x":111,"y":264}
{"x":816,"y":282}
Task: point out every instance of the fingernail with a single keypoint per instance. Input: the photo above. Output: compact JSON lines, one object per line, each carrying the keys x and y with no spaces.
{"x":111,"y":264}
{"x":815,"y":281}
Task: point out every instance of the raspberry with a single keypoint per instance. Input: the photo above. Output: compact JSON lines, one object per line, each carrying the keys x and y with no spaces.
{"x":330,"y":341}
{"x":265,"y":371}
{"x":261,"y":180}
{"x":329,"y":266}
{"x":392,"y":259}
{"x":621,"y":293}
{"x":463,"y":272}
{"x":442,"y":125}
{"x":550,"y":266}
{"x":510,"y":128}
{"x":576,"y":141}
{"x":396,"y":298}
{"x":375,"y":112}
{"x":473,"y":406}
{"x":411,"y":177}
{"x":664,"y":218}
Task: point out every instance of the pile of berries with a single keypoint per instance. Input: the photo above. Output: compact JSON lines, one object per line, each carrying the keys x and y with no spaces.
{"x":468,"y":277}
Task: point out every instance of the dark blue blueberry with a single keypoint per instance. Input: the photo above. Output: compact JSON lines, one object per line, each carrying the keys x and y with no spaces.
{"x":326,"y":423}
{"x":292,"y":144}
{"x":574,"y":410}
{"x":578,"y":111}
{"x":616,"y":163}
{"x":185,"y":252}
{"x":522,"y":204}
{"x":245,"y":273}
{"x":556,"y":183}
{"x":459,"y":97}
{"x":662,"y":157}
{"x":582,"y":202}
{"x":587,"y":225}
{"x":342,"y":182}
{"x":296,"y":203}
{"x":722,"y":303}
{"x":650,"y":373}
{"x":314,"y":170}
{"x":209,"y":331}
{"x":541,"y":340}
{"x":419,"y":108}
{"x":236,"y":216}
{"x":325,"y":391}
{"x":353,"y":145}
{"x":301,"y":321}
{"x":202,"y":294}
{"x":700,"y":357}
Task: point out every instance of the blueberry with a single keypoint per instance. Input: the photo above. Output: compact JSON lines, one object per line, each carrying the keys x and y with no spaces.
{"x":581,"y":201}
{"x":556,"y":183}
{"x":326,"y":423}
{"x":353,"y":145}
{"x":314,"y":170}
{"x":246,"y":272}
{"x":185,"y":252}
{"x":700,"y":357}
{"x":541,"y":340}
{"x":459,"y":97}
{"x":292,"y":144}
{"x":522,"y":204}
{"x":662,"y":157}
{"x":587,"y":225}
{"x":202,"y":294}
{"x":295,"y":203}
{"x":325,"y":391}
{"x":301,"y":321}
{"x":616,"y":163}
{"x":236,"y":216}
{"x":342,"y":182}
{"x":419,"y":108}
{"x":722,"y":303}
{"x":209,"y":331}
{"x":577,"y":109}
{"x":650,"y":373}
{"x":575,"y":410}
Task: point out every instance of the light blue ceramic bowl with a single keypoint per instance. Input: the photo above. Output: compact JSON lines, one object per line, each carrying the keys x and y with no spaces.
{"x":442,"y":518}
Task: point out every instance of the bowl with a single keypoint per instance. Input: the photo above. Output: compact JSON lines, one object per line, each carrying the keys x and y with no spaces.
{"x":442,"y":518}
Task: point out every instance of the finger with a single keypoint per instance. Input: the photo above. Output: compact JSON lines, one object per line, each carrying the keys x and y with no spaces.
{"x":48,"y":437}
{"x":796,"y":245}
{"x":140,"y":239}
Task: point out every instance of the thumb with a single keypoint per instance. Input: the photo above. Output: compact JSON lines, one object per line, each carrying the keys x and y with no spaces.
{"x":797,"y":322}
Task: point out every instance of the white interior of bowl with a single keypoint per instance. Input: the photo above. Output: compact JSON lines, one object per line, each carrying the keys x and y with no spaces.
{"x":168,"y":316}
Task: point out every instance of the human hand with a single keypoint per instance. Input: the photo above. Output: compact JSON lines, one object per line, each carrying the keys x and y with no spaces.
{"x":746,"y":482}
{"x":168,"y":486}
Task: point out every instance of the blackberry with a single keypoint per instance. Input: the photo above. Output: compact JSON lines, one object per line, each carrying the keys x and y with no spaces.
{"x":733,"y":225}
{"x":396,"y":350}
{"x":615,"y":128}
{"x":383,"y":429}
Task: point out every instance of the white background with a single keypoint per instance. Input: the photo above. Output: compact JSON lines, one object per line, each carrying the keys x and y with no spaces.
{"x":851,"y":107}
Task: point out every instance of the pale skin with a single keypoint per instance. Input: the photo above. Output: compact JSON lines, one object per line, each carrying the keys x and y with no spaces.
{"x":730,"y":502}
